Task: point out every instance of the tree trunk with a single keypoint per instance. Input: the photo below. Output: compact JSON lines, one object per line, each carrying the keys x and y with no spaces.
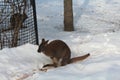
{"x":68,"y":16}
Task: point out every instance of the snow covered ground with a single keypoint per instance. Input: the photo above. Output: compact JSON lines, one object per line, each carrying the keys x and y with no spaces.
{"x":97,"y":31}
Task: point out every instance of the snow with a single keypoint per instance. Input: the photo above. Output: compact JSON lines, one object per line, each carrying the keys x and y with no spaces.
{"x":97,"y":31}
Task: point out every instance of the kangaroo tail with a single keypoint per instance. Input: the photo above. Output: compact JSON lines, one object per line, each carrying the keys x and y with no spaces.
{"x":80,"y":58}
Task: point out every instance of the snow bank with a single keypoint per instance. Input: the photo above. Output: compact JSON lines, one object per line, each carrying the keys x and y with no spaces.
{"x":97,"y":32}
{"x":15,"y":62}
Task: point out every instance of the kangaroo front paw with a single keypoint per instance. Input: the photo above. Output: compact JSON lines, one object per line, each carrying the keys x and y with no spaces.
{"x":46,"y":67}
{"x":43,"y":69}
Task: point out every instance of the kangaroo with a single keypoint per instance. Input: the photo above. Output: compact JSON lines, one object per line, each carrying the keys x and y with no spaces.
{"x":59,"y":52}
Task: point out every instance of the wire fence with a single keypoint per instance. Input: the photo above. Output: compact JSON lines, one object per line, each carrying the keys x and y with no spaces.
{"x":18,"y":24}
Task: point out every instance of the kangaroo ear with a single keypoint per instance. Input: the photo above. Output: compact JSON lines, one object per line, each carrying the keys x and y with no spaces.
{"x":43,"y":40}
{"x":46,"y":41}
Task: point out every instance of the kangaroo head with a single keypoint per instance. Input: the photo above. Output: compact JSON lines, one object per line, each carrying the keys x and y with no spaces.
{"x":42,"y":45}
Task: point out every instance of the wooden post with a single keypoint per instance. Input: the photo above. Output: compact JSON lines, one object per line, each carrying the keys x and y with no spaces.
{"x":68,"y":16}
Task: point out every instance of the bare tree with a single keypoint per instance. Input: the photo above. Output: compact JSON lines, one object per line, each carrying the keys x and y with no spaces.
{"x":17,"y":18}
{"x":68,"y":16}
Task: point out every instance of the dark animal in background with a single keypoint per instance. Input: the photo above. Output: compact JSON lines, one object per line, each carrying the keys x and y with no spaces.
{"x":16,"y":18}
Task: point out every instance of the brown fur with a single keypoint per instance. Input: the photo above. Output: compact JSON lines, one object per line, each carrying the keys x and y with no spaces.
{"x":59,"y":52}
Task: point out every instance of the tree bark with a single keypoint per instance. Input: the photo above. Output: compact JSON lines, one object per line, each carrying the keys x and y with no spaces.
{"x":68,"y":16}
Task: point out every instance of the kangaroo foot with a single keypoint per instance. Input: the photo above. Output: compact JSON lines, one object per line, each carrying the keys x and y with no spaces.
{"x":46,"y":67}
{"x":49,"y":65}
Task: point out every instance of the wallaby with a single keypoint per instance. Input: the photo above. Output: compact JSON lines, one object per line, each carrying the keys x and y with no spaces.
{"x":59,"y":52}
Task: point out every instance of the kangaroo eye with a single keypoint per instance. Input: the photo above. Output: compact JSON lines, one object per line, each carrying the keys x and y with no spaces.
{"x":41,"y":47}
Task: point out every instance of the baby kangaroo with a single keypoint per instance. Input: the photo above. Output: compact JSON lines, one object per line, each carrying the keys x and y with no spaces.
{"x":59,"y":52}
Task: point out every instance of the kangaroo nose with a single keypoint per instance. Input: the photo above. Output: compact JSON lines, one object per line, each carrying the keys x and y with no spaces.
{"x":38,"y":50}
